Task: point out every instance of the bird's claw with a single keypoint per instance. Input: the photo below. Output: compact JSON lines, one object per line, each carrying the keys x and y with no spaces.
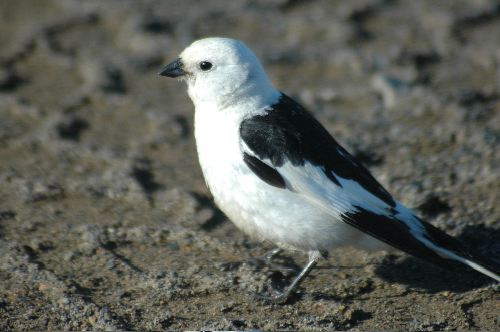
{"x":280,"y":298}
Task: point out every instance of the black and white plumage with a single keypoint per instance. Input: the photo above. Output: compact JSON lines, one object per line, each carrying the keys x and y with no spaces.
{"x":278,"y":174}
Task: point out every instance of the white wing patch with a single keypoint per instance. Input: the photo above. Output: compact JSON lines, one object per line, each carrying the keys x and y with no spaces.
{"x":361,"y":197}
{"x":311,"y":182}
{"x":407,"y":216}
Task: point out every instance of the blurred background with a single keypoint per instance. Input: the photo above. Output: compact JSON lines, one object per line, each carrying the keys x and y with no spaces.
{"x":105,"y":220}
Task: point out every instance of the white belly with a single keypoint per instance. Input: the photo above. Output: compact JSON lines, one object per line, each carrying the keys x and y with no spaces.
{"x":261,"y":210}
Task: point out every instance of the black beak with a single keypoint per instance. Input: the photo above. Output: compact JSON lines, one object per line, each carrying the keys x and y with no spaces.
{"x":173,"y":69}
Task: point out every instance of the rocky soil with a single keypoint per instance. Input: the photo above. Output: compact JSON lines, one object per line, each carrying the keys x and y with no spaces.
{"x":105,"y":221}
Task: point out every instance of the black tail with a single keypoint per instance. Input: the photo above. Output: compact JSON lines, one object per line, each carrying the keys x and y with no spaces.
{"x":454,"y":249}
{"x":432,"y":245}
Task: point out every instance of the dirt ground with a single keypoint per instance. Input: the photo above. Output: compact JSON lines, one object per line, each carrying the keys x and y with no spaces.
{"x":105,"y":221}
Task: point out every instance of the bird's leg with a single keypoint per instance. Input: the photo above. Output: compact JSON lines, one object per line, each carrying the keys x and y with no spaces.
{"x":314,"y":256}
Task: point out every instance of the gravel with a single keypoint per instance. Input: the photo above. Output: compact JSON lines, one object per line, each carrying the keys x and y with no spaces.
{"x":105,"y":220}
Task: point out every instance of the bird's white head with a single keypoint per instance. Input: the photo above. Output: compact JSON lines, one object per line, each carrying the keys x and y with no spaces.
{"x":222,"y":72}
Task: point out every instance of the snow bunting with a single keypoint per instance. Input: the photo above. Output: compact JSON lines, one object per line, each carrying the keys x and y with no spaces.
{"x":278,"y":174}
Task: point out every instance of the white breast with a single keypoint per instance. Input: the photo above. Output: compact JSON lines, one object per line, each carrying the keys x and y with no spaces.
{"x":218,"y":148}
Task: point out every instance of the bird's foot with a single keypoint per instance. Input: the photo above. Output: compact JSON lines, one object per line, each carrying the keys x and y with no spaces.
{"x":284,"y":296}
{"x":281,"y":297}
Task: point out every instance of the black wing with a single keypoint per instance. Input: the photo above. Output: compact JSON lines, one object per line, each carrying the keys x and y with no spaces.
{"x":287,"y":132}
{"x":266,"y":173}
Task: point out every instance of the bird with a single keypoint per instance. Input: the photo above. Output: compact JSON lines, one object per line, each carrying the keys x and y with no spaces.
{"x":280,"y":176}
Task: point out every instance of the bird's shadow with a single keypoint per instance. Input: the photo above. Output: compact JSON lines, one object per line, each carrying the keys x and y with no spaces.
{"x":218,"y":217}
{"x":417,"y":273}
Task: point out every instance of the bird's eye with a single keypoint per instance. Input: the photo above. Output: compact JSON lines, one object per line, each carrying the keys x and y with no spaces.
{"x":205,"y":65}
